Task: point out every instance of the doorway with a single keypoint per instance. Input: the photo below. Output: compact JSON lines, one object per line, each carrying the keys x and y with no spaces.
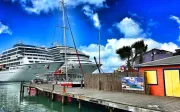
{"x":172,"y":83}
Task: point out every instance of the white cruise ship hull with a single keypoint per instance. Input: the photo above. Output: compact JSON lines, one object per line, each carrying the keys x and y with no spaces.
{"x":28,"y":72}
{"x":88,"y":68}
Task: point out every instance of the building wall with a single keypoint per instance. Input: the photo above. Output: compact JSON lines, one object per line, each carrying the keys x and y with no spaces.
{"x":159,"y":55}
{"x":158,"y":90}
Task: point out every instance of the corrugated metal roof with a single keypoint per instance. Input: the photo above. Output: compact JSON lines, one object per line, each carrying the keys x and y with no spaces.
{"x":174,"y":60}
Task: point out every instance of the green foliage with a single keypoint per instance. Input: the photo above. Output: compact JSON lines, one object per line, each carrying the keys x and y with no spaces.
{"x":125,"y":52}
{"x":140,"y":48}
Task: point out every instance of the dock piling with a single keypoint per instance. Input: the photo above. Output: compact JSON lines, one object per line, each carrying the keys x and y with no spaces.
{"x":63,"y":99}
{"x":79,"y":104}
{"x":29,"y":92}
{"x":37,"y":92}
{"x":52,"y":87}
{"x":52,"y":96}
{"x":110,"y":109}
{"x":21,"y":89}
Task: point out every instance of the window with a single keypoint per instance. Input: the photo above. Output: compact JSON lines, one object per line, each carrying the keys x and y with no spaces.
{"x":151,"y":77}
{"x":36,"y":61}
{"x":34,"y":58}
{"x":31,"y":61}
{"x":29,"y":57}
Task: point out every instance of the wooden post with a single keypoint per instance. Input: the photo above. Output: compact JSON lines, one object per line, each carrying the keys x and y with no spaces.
{"x":99,"y":84}
{"x":53,"y":87}
{"x":63,"y":99}
{"x":52,"y":96}
{"x":29,"y":91}
{"x":22,"y":90}
{"x":37,"y":92}
{"x":81,"y":83}
{"x":79,"y":104}
{"x":110,"y":109}
{"x":21,"y":94}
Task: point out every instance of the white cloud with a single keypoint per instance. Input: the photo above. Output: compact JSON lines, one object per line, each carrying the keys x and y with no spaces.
{"x":88,"y":11}
{"x":93,"y":16}
{"x":97,"y":3}
{"x":177,"y":19}
{"x":129,"y":27}
{"x":111,"y":60}
{"x":39,"y":6}
{"x":4,"y":29}
{"x":96,"y":21}
{"x":152,"y":23}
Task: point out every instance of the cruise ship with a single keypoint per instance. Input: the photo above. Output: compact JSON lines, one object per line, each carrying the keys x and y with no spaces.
{"x":73,"y":66}
{"x":23,"y":62}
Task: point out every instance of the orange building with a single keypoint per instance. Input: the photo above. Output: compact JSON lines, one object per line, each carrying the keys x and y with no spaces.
{"x":163,"y":76}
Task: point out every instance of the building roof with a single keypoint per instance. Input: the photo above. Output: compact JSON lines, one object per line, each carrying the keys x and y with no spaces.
{"x":174,"y":60}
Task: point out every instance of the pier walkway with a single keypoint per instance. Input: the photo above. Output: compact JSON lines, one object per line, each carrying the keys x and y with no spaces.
{"x":119,"y":100}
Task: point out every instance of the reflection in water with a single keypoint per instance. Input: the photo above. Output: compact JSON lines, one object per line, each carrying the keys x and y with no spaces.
{"x":10,"y":102}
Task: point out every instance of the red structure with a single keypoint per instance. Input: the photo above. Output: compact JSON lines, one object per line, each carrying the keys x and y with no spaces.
{"x":163,"y":76}
{"x":57,"y":72}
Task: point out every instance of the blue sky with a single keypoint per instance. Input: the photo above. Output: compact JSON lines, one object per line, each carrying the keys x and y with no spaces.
{"x":121,"y":22}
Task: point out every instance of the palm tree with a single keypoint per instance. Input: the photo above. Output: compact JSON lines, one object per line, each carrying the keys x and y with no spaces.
{"x":125,"y":53}
{"x":140,"y":48}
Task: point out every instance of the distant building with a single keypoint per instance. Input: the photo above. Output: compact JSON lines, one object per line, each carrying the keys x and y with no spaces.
{"x":154,"y":54}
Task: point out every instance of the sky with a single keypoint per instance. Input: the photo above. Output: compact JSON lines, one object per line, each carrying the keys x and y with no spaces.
{"x":121,"y":22}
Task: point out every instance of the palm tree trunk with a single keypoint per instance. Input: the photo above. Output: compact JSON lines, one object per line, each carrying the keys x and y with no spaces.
{"x":141,"y":58}
{"x":129,"y":63}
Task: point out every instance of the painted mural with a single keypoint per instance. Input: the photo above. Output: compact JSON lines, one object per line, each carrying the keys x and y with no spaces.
{"x":133,"y":83}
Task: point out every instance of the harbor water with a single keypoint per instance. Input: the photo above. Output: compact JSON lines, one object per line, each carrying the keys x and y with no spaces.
{"x":10,"y":102}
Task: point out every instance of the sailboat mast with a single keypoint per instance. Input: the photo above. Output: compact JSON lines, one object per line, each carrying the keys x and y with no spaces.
{"x":99,"y":47}
{"x":64,"y":32}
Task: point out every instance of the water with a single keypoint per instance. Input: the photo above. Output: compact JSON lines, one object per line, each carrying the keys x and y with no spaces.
{"x":10,"y":102}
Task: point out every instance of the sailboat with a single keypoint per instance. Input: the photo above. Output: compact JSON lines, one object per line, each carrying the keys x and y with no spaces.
{"x":76,"y":63}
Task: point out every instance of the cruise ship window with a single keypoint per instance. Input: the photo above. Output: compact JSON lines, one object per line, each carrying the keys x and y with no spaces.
{"x":36,"y":61}
{"x":31,"y":61}
{"x":34,"y":58}
{"x":29,"y":57}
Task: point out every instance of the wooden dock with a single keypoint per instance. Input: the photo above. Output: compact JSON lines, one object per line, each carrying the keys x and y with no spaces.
{"x":119,"y":100}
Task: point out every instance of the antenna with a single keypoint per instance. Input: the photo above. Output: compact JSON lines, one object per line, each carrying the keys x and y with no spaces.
{"x":99,"y":46}
{"x":20,"y":42}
